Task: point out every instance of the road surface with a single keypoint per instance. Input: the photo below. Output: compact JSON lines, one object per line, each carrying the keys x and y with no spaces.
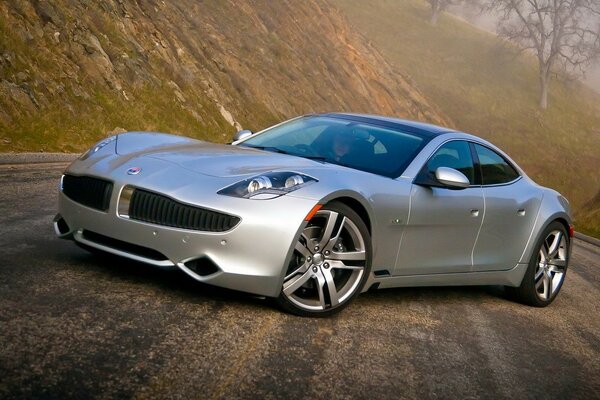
{"x":75,"y":325}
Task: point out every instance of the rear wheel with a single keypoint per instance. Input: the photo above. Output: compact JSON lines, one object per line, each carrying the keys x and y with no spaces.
{"x":547,"y":268}
{"x":331,"y":262}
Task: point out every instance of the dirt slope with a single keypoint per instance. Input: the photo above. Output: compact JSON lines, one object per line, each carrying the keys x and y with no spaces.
{"x":71,"y":70}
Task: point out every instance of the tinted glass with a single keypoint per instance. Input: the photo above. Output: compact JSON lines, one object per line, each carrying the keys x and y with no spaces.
{"x":371,"y":148}
{"x":455,"y":154}
{"x":494,"y":169}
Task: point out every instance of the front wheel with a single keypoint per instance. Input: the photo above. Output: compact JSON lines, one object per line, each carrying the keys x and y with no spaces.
{"x":331,"y":262}
{"x":547,"y":268}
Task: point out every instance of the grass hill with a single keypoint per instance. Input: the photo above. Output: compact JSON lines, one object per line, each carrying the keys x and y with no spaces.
{"x":488,"y":89}
{"x":71,"y":70}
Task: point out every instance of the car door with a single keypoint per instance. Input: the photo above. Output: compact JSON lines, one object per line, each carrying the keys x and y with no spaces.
{"x":443,"y":223}
{"x":511,"y":206}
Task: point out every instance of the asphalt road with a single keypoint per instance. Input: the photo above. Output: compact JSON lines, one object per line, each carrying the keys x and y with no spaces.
{"x":76,"y":326}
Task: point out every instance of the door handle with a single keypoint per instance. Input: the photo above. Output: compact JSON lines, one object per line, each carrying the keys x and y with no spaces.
{"x":475,"y":212}
{"x":521,"y":212}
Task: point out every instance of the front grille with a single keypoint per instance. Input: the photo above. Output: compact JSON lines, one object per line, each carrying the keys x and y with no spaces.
{"x":161,"y":210}
{"x":91,"y":192}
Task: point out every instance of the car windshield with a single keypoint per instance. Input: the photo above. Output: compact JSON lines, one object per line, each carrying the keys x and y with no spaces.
{"x":367,"y":147}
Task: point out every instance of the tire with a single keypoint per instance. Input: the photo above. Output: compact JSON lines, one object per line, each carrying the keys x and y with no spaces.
{"x":330,"y":265}
{"x":547,"y":268}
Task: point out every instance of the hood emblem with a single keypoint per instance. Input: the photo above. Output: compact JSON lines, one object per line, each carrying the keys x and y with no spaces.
{"x":134,"y":171}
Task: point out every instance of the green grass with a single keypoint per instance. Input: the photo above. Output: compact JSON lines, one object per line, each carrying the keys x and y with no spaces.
{"x":488,"y":89}
{"x":72,"y":126}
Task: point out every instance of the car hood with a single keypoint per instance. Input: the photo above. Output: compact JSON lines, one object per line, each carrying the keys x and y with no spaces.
{"x":227,"y":160}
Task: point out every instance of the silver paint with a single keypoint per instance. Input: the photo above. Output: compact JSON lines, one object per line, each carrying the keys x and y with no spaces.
{"x":478,"y":235}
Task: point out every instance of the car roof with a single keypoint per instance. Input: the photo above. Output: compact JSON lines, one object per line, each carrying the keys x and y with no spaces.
{"x":428,"y":130}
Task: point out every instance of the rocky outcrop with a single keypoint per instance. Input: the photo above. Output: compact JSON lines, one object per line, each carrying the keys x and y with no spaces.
{"x":193,"y":67}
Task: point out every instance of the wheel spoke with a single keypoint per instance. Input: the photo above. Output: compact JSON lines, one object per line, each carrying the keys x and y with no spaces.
{"x":300,"y":248}
{"x":321,"y":284}
{"x":333,"y":294}
{"x":328,"y":230}
{"x":300,"y":270}
{"x":340,"y":265}
{"x":539,"y":284}
{"x":547,"y":279}
{"x":553,"y":248}
{"x":558,"y":264}
{"x":303,"y":236}
{"x":556,"y":270}
{"x":348,"y":255}
{"x":543,"y":253}
{"x":332,"y":242}
{"x":538,"y":275}
{"x":294,"y":284}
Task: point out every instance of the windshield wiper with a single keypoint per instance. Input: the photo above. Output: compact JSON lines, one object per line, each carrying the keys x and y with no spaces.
{"x":314,"y":158}
{"x":268,"y":148}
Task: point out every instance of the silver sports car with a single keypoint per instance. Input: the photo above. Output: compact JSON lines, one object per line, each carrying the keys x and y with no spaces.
{"x":317,"y":209}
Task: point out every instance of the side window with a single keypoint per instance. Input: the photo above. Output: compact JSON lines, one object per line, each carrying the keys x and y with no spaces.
{"x":494,"y":168}
{"x":455,"y":154}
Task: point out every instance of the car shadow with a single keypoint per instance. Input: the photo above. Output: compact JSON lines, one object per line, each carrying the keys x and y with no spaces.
{"x":176,"y":283}
{"x":438,"y":294}
{"x":168,"y":280}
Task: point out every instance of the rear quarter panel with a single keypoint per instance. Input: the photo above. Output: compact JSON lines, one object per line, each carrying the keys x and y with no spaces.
{"x":554,"y":207}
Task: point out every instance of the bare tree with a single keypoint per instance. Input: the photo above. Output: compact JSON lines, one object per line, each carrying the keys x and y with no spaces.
{"x":437,"y":6}
{"x":561,"y":33}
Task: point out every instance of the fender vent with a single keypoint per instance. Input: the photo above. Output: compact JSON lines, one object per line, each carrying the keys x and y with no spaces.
{"x":382,"y":272}
{"x":162,"y":210}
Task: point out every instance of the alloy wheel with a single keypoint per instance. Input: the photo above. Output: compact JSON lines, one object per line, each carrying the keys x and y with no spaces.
{"x":328,"y":264}
{"x":551,"y":265}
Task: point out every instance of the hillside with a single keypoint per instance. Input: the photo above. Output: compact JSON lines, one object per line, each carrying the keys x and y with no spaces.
{"x":72,"y":70}
{"x":486,"y":88}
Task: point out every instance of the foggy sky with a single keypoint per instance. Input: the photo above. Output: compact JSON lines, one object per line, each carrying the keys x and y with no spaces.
{"x":488,"y":22}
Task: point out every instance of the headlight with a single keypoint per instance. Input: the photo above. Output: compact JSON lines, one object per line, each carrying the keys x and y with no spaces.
{"x":294,"y":180}
{"x":259,"y":183}
{"x":268,"y":185}
{"x":95,"y":148}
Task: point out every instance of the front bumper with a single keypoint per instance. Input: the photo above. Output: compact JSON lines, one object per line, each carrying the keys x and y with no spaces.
{"x":251,"y":257}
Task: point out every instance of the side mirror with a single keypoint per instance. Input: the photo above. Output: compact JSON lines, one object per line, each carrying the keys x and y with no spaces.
{"x":243,"y":134}
{"x":451,"y":178}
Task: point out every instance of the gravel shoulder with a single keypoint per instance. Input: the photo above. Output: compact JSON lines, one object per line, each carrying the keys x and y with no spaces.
{"x":34,"y":158}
